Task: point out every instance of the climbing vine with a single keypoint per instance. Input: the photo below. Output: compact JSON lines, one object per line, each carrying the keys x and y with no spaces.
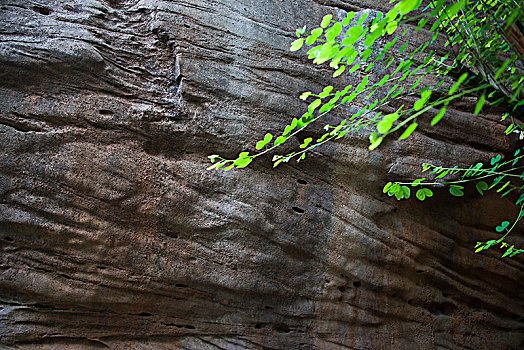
{"x":481,"y":58}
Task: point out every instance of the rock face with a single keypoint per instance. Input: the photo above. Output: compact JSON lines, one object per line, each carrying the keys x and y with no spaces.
{"x":113,"y":235}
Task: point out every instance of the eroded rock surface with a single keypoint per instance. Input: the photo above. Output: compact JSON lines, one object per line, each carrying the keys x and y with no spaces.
{"x":114,"y":236}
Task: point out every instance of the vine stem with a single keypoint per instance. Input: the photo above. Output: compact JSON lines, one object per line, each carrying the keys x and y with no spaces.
{"x":491,"y":173}
{"x":514,"y":224}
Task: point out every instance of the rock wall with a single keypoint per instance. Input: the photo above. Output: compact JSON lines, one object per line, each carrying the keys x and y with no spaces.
{"x":112,"y":235}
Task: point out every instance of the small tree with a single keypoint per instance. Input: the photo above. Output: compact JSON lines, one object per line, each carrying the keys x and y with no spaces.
{"x":483,"y":59}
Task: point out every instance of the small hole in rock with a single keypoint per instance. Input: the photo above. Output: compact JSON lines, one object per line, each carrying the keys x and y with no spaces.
{"x":445,"y":295}
{"x":420,"y":271}
{"x":357,"y":284}
{"x":302,"y":182}
{"x":105,"y":112}
{"x":268,"y":307}
{"x":190,"y":327}
{"x":281,"y":328}
{"x":410,"y":301}
{"x":9,"y":239}
{"x":342,"y":288}
{"x":181,"y":285}
{"x":298,"y":210}
{"x":144,"y":314}
{"x":258,"y":326}
{"x":42,"y":10}
{"x":102,"y":267}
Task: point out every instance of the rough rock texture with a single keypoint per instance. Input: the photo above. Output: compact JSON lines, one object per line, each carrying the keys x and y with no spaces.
{"x":112,"y":235}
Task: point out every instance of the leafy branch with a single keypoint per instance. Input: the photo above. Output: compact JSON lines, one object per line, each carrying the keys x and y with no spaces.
{"x":484,"y":61}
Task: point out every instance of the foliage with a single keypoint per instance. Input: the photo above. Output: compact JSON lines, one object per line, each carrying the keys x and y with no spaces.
{"x":502,"y":178}
{"x":481,"y":59}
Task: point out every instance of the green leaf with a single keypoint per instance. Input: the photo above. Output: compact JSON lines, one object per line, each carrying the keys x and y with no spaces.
{"x":406,"y":192}
{"x":509,"y":129}
{"x":481,"y":186}
{"x":421,"y":195}
{"x":300,"y":31}
{"x":362,"y":85}
{"x":325,"y":92}
{"x":362,"y":18}
{"x":313,"y":105}
{"x":442,"y":174}
{"x":406,"y":6}
{"x":456,"y":192}
{"x":439,"y":116}
{"x":260,"y":144}
{"x":332,"y":32}
{"x":502,"y":68}
{"x":383,"y":80}
{"x":455,"y":86}
{"x":216,"y":165}
{"x":374,"y":141}
{"x":502,"y":226}
{"x":354,"y":68}
{"x":315,"y":33}
{"x":326,"y":20}
{"x":417,"y":181}
{"x":408,"y":131}
{"x":385,"y":124}
{"x":422,"y":23}
{"x":391,"y":27}
{"x":480,"y":104}
{"x":424,"y":97}
{"x":508,"y":252}
{"x":496,"y":159}
{"x":305,"y":95}
{"x":339,"y":71}
{"x":279,"y":140}
{"x":428,"y":192}
{"x":453,"y":9}
{"x":349,"y":98}
{"x":287,"y":130}
{"x":213,"y":157}
{"x":242,"y":162}
{"x":354,"y":34}
{"x":306,"y":142}
{"x":350,"y":16}
{"x":387,"y":187}
{"x":504,"y":186}
{"x":297,"y":44}
{"x":327,"y":51}
{"x":228,"y":167}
